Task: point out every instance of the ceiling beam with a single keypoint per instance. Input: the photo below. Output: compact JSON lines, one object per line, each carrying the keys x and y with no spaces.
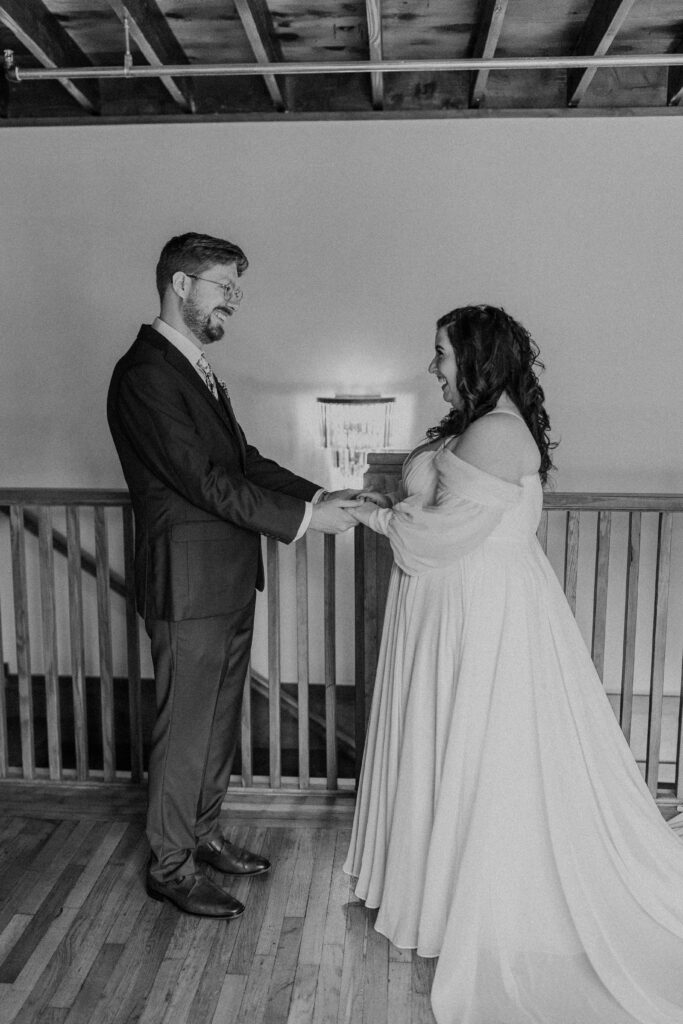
{"x":600,"y":27}
{"x":674,"y":81}
{"x":150,"y":32}
{"x":374,"y":17}
{"x":40,"y":32}
{"x":488,"y":33}
{"x":258,"y":24}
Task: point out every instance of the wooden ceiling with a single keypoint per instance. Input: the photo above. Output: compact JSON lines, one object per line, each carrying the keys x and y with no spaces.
{"x":76,"y":34}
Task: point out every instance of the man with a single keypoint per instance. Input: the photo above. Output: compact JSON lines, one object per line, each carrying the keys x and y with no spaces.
{"x":202,"y":497}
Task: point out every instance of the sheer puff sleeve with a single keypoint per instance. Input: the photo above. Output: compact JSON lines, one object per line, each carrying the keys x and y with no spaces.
{"x":468,"y":505}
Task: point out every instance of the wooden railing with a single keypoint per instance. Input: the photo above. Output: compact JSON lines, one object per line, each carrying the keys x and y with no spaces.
{"x":84,"y":711}
{"x":620,"y":560}
{"x":68,"y":602}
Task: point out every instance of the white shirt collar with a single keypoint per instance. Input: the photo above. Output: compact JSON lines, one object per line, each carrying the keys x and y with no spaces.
{"x":188,"y":348}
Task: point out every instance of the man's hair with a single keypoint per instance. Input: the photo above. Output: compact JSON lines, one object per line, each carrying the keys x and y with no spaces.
{"x":192,"y":253}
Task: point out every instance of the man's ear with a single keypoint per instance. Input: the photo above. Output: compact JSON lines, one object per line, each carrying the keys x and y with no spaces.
{"x":180,"y":284}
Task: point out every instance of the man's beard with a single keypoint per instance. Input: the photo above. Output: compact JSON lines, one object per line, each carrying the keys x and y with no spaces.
{"x":200,"y":323}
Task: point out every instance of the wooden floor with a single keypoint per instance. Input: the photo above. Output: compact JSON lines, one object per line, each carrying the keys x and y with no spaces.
{"x":81,"y":943}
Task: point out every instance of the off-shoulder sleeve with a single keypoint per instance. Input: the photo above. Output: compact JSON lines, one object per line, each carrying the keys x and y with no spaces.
{"x":468,"y":506}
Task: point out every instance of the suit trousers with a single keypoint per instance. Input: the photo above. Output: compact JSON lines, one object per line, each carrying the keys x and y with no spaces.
{"x":200,"y":667}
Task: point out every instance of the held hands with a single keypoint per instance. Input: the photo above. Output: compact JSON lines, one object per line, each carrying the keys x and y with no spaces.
{"x":334,"y":514}
{"x":362,"y":512}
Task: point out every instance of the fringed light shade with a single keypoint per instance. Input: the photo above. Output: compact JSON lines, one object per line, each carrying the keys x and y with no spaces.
{"x":351,"y":426}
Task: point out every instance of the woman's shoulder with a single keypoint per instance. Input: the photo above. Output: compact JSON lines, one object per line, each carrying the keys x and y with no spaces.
{"x":501,"y":444}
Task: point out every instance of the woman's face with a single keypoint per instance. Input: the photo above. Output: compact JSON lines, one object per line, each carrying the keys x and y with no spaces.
{"x":444,"y":366}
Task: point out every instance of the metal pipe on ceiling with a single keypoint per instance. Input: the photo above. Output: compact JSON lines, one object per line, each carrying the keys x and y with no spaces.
{"x":16,"y":74}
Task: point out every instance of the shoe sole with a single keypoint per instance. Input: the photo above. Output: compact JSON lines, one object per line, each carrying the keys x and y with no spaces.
{"x":229,"y":915}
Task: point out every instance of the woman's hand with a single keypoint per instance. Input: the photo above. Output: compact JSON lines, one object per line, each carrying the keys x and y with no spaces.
{"x":381,"y":500}
{"x":362,"y":513}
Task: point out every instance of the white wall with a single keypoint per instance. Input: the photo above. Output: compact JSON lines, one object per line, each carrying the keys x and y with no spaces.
{"x":359,"y":235}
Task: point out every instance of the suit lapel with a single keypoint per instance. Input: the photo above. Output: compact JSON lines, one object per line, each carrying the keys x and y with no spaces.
{"x":220,"y":407}
{"x":227,"y":407}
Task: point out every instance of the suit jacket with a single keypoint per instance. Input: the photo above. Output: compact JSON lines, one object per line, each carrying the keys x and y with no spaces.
{"x":202,"y":496}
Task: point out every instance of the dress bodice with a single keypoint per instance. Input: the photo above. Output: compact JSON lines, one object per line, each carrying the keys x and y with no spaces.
{"x":434,"y":474}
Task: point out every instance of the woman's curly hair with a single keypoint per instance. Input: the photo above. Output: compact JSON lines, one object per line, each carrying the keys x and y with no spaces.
{"x":495,"y":354}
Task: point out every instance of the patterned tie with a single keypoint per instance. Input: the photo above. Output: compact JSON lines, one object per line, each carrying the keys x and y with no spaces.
{"x":204,"y":366}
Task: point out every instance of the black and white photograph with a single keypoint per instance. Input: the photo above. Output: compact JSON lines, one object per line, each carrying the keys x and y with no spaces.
{"x":341,"y":512}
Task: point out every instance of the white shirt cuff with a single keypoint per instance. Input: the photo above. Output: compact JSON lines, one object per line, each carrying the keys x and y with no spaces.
{"x":305,"y":522}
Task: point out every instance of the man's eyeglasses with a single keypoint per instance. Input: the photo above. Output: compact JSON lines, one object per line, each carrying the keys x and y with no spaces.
{"x":232,"y":292}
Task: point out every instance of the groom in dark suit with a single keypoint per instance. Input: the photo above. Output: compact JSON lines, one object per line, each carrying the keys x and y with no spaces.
{"x":202,"y":497}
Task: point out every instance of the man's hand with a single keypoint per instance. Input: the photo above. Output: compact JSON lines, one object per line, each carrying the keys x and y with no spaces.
{"x":348,"y":493}
{"x":331,"y":515}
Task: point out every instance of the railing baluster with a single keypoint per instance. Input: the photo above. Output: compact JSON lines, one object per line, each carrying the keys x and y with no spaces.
{"x":600,"y":591}
{"x":542,"y":531}
{"x":104,"y":637}
{"x":4,"y":748}
{"x":654,"y":724}
{"x":23,"y":641}
{"x":73,"y":542}
{"x":132,"y":649}
{"x":50,"y":657}
{"x":302,"y":658}
{"x":372,"y":615}
{"x":246,"y":751}
{"x":571,"y":557}
{"x":273,"y":574}
{"x":329,"y":585}
{"x":630,"y":620}
{"x":360,"y":581}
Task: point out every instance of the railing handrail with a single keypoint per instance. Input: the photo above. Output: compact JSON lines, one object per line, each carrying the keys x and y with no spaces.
{"x":390,"y":462}
{"x":62,"y":496}
{"x":623,"y":501}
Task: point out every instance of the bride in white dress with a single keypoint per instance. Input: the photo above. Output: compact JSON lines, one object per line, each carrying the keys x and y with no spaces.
{"x":502,"y":823}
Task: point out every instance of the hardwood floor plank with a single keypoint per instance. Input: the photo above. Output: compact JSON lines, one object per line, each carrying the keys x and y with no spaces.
{"x":316,"y":909}
{"x":11,"y":934}
{"x":303,"y":872}
{"x":249,"y":925}
{"x":353,"y":967}
{"x":328,"y":992}
{"x":134,"y":895}
{"x":399,"y":994}
{"x":88,"y":934}
{"x":191,"y":971}
{"x":40,"y":974}
{"x":282,"y":980}
{"x":22,"y":953}
{"x":42,"y":874}
{"x":118,"y":987}
{"x":422,"y":978}
{"x":254,"y":1000}
{"x":137,"y":988}
{"x":230,"y":999}
{"x":161,"y":992}
{"x":96,"y":863}
{"x":302,"y":1001}
{"x":14,"y":881}
{"x":376,"y":994}
{"x":279,"y":881}
{"x":212,"y":989}
{"x":82,"y":1010}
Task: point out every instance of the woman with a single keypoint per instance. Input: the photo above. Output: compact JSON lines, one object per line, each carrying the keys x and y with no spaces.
{"x":502,"y":823}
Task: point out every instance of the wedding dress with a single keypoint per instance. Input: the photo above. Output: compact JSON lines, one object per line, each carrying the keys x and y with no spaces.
{"x":502,"y":823}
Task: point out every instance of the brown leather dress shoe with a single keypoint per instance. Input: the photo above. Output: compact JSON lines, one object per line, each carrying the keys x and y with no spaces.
{"x":233,"y":860}
{"x":196,"y":894}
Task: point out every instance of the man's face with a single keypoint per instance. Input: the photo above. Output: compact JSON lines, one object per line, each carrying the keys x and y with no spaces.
{"x":214,"y":295}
